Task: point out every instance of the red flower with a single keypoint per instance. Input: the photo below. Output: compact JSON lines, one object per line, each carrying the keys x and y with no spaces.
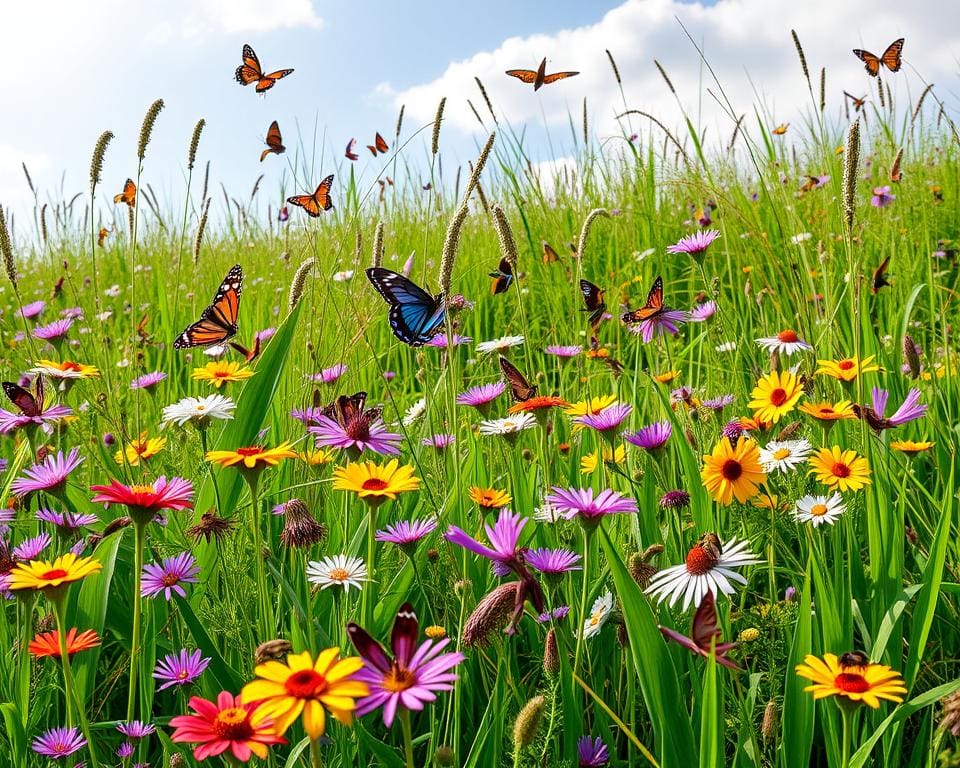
{"x":145,"y":501}
{"x":226,"y":724}
{"x":48,"y":643}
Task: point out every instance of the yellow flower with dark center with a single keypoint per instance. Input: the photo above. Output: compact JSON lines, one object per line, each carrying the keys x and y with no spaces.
{"x":220,"y":372}
{"x":489,"y":498}
{"x":851,"y":677}
{"x":42,"y":574}
{"x":252,"y":457}
{"x":140,"y":449}
{"x":840,"y":470}
{"x":825,"y":411}
{"x":374,"y":483}
{"x":848,"y":368}
{"x":589,"y":463}
{"x":66,"y":369}
{"x":775,"y":395}
{"x":733,"y":471}
{"x":911,"y":446}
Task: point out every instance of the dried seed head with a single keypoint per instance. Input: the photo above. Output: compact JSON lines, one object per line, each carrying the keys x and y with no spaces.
{"x":666,"y":79}
{"x":916,"y":109}
{"x":585,"y":230}
{"x":475,"y":113}
{"x":640,"y":569}
{"x":358,"y":246}
{"x":435,"y":141}
{"x":146,"y":129}
{"x":300,"y":527}
{"x":771,"y":722}
{"x":201,"y":227}
{"x":29,"y":180}
{"x":950,"y":719}
{"x":378,"y":245}
{"x":911,"y":356}
{"x":851,"y":159}
{"x":490,"y":615}
{"x":43,"y":223}
{"x":396,"y":133}
{"x":551,"y":655}
{"x":802,"y":57}
{"x":116,"y":525}
{"x":613,"y":65}
{"x":508,"y":246}
{"x":177,"y":760}
{"x":527,"y":724}
{"x":272,"y":649}
{"x":6,"y":250}
{"x":299,"y":282}
{"x":790,"y":430}
{"x":206,"y":181}
{"x":586,"y":132}
{"x":823,"y":88}
{"x":194,"y":143}
{"x":445,"y":756}
{"x":96,"y":162}
{"x":211,"y":526}
{"x":483,"y":92}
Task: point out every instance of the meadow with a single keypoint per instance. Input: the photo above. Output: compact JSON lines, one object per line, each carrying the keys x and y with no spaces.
{"x":721,"y":534}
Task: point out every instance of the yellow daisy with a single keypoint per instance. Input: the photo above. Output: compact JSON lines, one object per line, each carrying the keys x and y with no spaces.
{"x":825,"y":411}
{"x":840,"y":470}
{"x":853,"y":677}
{"x":775,"y":395}
{"x":316,"y":457}
{"x":140,"y":449}
{"x":848,"y":368}
{"x":589,"y":463}
{"x":252,"y":457}
{"x":911,"y":446}
{"x":489,"y":498}
{"x":43,"y":575}
{"x":65,"y":370}
{"x":733,"y":471}
{"x":374,"y":483}
{"x":220,"y":372}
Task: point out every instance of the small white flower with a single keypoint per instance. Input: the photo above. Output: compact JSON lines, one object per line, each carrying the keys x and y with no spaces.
{"x":498,"y":345}
{"x":800,"y":238}
{"x":113,"y":291}
{"x":786,"y":343}
{"x":508,"y":426}
{"x":818,"y":510}
{"x":342,"y":277}
{"x":783,"y":456}
{"x":104,"y":316}
{"x":727,"y":346}
{"x":415,"y":412}
{"x":199,"y":410}
{"x":338,"y":571}
{"x":215,"y":351}
{"x":602,"y":608}
{"x":123,"y":363}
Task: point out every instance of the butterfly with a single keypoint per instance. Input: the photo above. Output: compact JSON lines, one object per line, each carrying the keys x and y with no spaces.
{"x":142,"y":333}
{"x":350,"y":154}
{"x":593,"y":302}
{"x":250,"y":72}
{"x":102,"y":235}
{"x":890,"y":58}
{"x":651,"y":309}
{"x":780,"y":129}
{"x":704,"y":632}
{"x":502,"y":278}
{"x":58,"y":287}
{"x":415,"y":316}
{"x":810,"y":184}
{"x":129,"y":194}
{"x":349,"y":412}
{"x":318,"y":202}
{"x":539,"y":77}
{"x":880,"y":276}
{"x":379,"y":146}
{"x":896,"y":175}
{"x":403,"y":643}
{"x":218,"y":322}
{"x":519,"y":386}
{"x":274,"y":141}
{"x":29,"y":405}
{"x":854,"y":659}
{"x":549,"y":255}
{"x":857,"y":103}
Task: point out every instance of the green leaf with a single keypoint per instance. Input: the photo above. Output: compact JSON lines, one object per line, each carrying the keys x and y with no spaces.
{"x":227,"y":676}
{"x":798,"y":706}
{"x":15,"y":734}
{"x":385,"y":754}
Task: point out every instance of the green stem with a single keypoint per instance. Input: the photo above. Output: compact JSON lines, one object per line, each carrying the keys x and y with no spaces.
{"x":139,"y":535}
{"x":316,"y":756}
{"x":847,"y":717}
{"x":367,"y":601}
{"x":587,"y":535}
{"x":213,"y":478}
{"x":69,"y":688}
{"x":407,"y":736}
{"x":267,"y":623}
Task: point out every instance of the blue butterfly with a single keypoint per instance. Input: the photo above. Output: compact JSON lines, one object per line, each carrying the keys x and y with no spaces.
{"x":415,"y":315}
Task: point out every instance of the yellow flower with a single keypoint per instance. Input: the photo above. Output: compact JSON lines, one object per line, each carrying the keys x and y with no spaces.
{"x":911,"y":446}
{"x":220,"y":372}
{"x":141,"y":449}
{"x":770,"y":501}
{"x":847,"y":369}
{"x":316,"y":457}
{"x":593,"y":405}
{"x":667,"y":377}
{"x":434,"y":632}
{"x":302,"y":686}
{"x":826,"y":412}
{"x":490,"y":498}
{"x":840,"y":470}
{"x":733,"y":471}
{"x":65,"y":370}
{"x":374,"y":483}
{"x":253,"y":457}
{"x":589,"y":463}
{"x":775,"y":395}
{"x":42,"y":574}
{"x":852,"y":677}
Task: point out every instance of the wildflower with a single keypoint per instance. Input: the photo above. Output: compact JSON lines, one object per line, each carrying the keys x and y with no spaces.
{"x":552,"y":561}
{"x":338,"y":571}
{"x":148,"y":381}
{"x":141,"y":449}
{"x":329,"y":375}
{"x":42,"y":417}
{"x":489,"y":498}
{"x":44,"y":575}
{"x":561,"y":351}
{"x":199,"y":411}
{"x":220,"y":372}
{"x":717,"y":404}
{"x":847,"y":369}
{"x":749,"y":635}
{"x":227,"y":724}
{"x":840,"y":470}
{"x":178,"y":669}
{"x":65,"y":369}
{"x":704,"y":632}
{"x":527,"y":724}
{"x":169,"y":576}
{"x":503,"y":538}
{"x":828,"y":412}
{"x":300,"y":527}
{"x":499,"y":345}
{"x":316,"y":457}
{"x":818,"y":510}
{"x":599,"y":613}
{"x":58,"y":743}
{"x":375,"y":483}
{"x":853,"y":678}
{"x":415,"y":412}
{"x":407,"y":534}
{"x":412,"y":677}
{"x":136,"y":729}
{"x":32,"y":310}
{"x":591,"y":461}
{"x":775,"y":395}
{"x":439,"y":442}
{"x":881,"y":197}
{"x":695,"y":245}
{"x":785,"y":455}
{"x":509,"y":427}
{"x":305,"y":686}
{"x":50,"y":475}
{"x":354,"y":429}
{"x":48,"y":643}
{"x":786,"y":343}
{"x":440,"y":340}
{"x":255,"y":457}
{"x":591,"y":753}
{"x":675,"y":500}
{"x":146,"y":501}
{"x":910,"y":410}
{"x":586,"y":407}
{"x":651,"y":438}
{"x":911,"y":446}
{"x":481,"y":395}
{"x":589,"y":509}
{"x":31,"y":549}
{"x":667,"y":320}
{"x":607,"y":420}
{"x":733,"y":470}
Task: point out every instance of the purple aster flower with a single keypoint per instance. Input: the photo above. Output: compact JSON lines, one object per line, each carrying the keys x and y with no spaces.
{"x":675,"y":500}
{"x":560,"y":350}
{"x":652,"y":437}
{"x":10,"y":422}
{"x":591,"y":753}
{"x":440,"y":340}
{"x":54,"y":331}
{"x":703,"y":312}
{"x":406,"y":534}
{"x":503,"y":537}
{"x":552,"y":561}
{"x":31,"y":549}
{"x":179,"y":668}
{"x":125,"y":750}
{"x":607,"y":419}
{"x":556,"y":614}
{"x":50,"y":475}
{"x":590,"y":509}
{"x":359,"y":431}
{"x":73,"y":313}
{"x":169,"y":576}
{"x":718,"y":403}
{"x":733,"y":430}
{"x":790,"y":593}
{"x":439,"y":441}
{"x":696,"y":244}
{"x":265,"y":335}
{"x":389,"y":375}
{"x":666,"y":321}
{"x":32,"y":309}
{"x":911,"y":410}
{"x":481,"y":395}
{"x":79,"y":546}
{"x":310,"y":417}
{"x":148,"y":380}
{"x":136,"y":729}
{"x":329,"y":375}
{"x":882,"y":197}
{"x":58,"y":743}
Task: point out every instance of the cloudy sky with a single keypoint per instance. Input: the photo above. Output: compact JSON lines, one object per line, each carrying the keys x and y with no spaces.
{"x":75,"y":69}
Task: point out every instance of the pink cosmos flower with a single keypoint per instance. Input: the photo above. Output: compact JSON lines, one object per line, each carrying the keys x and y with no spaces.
{"x":696,"y":244}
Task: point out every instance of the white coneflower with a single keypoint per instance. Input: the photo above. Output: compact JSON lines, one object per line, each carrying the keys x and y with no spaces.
{"x":415,"y":412}
{"x":786,"y":343}
{"x":508,"y":426}
{"x":818,"y":510}
{"x":785,"y":455}
{"x":498,"y":345}
{"x":599,"y":613}
{"x":199,"y":410}
{"x":338,"y":571}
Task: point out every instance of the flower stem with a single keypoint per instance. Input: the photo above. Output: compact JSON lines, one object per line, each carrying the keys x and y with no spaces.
{"x":407,"y":736}
{"x":267,"y":623}
{"x":139,"y":535}
{"x":366,"y":600}
{"x":847,"y":716}
{"x":69,"y":689}
{"x":316,"y":756}
{"x":587,"y":535}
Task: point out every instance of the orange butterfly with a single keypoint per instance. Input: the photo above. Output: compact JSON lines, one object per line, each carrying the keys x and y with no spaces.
{"x":318,"y":202}
{"x":129,"y":194}
{"x":652,"y":308}
{"x":781,"y":129}
{"x":218,"y":322}
{"x":379,"y":146}
{"x":549,"y":255}
{"x":102,"y":236}
{"x":249,"y":355}
{"x":890,"y":58}
{"x":350,"y":154}
{"x":857,"y":103}
{"x":539,"y":77}
{"x":274,"y":141}
{"x":250,"y":72}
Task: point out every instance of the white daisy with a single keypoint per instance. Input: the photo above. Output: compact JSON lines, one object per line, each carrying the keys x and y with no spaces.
{"x":784,"y":455}
{"x":338,"y":571}
{"x":415,"y":412}
{"x":818,"y":510}
{"x":602,"y":608}
{"x":498,"y":345}
{"x":199,"y":410}
{"x":508,"y":426}
{"x":703,"y":572}
{"x":342,"y":277}
{"x":727,"y":346}
{"x":786,"y":343}
{"x":216,"y":350}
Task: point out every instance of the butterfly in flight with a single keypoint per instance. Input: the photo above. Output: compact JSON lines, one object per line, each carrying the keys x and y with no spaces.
{"x":218,"y":322}
{"x":250,"y":72}
{"x":593,"y":302}
{"x":102,"y":235}
{"x":704,"y":633}
{"x":539,"y":76}
{"x":502,"y":278}
{"x":30,"y":405}
{"x":858,"y":104}
{"x":274,"y":141}
{"x":350,"y":154}
{"x":415,"y":316}
{"x":519,"y":386}
{"x":379,"y":146}
{"x":780,"y":129}
{"x":880,"y":276}
{"x":890,"y":58}
{"x":549,"y":255}
{"x":129,"y":194}
{"x":651,"y":309}
{"x":318,"y":202}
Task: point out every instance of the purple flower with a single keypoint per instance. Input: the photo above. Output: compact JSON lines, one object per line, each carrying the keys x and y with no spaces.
{"x":169,"y":576}
{"x":556,"y":614}
{"x":481,"y":395}
{"x":564,"y":351}
{"x":360,"y":431}
{"x":591,"y":753}
{"x":503,"y":537}
{"x":718,"y":403}
{"x":675,"y":500}
{"x":125,"y":750}
{"x":74,"y":313}
{"x":552,"y":561}
{"x":696,"y":244}
{"x":666,"y":321}
{"x":31,"y":549}
{"x":50,"y":475}
{"x":652,"y":437}
{"x":179,"y":669}
{"x":58,"y":743}
{"x":406,"y":534}
{"x":148,"y":380}
{"x":911,"y":409}
{"x":329,"y":375}
{"x":136,"y":729}
{"x":703,"y":312}
{"x":9,"y":421}
{"x":439,"y":442}
{"x":389,"y":375}
{"x":54,"y":331}
{"x":609,"y":418}
{"x":31,"y":310}
{"x":440,"y":340}
{"x":580,"y":502}
{"x":265,"y":335}
{"x":733,"y":430}
{"x":310,"y":417}
{"x":882,"y":197}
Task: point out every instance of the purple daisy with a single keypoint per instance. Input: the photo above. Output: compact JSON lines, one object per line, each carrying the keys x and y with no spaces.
{"x":439,"y":441}
{"x":717,"y":404}
{"x":560,"y":350}
{"x":53,"y":332}
{"x":552,"y":561}
{"x":360,"y":431}
{"x":590,"y":509}
{"x":703,"y":312}
{"x":125,"y":750}
{"x":406,"y":534}
{"x":58,"y":743}
{"x":148,"y":380}
{"x":481,"y":395}
{"x":73,"y":313}
{"x":31,"y":310}
{"x":265,"y":335}
{"x":50,"y":475}
{"x":675,"y":500}
{"x":329,"y":375}
{"x":652,"y":437}
{"x":591,"y":753}
{"x":607,"y":419}
{"x":503,"y":538}
{"x":31,"y":549}
{"x":696,"y":244}
{"x":136,"y":729}
{"x":440,"y":340}
{"x":169,"y":576}
{"x":666,"y":321}
{"x":882,"y":197}
{"x":179,"y":668}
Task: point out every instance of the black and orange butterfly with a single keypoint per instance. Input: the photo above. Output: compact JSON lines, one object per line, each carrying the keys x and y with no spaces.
{"x":539,"y":76}
{"x":250,"y":72}
{"x":858,"y":104}
{"x":502,"y":278}
{"x":379,"y":146}
{"x":880,"y":276}
{"x":549,"y":255}
{"x":318,"y":202}
{"x":350,"y":154}
{"x":519,"y":386}
{"x":218,"y":322}
{"x":652,"y":308}
{"x":129,"y":194}
{"x":593,"y":302}
{"x":58,"y":287}
{"x":102,"y":235}
{"x":274,"y":141}
{"x":28,"y":404}
{"x":890,"y":58}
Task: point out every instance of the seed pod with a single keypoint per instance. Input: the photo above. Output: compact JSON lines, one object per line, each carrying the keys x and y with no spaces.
{"x":491,"y":614}
{"x":194,"y":143}
{"x":527,"y":724}
{"x":551,"y":655}
{"x":146,"y":129}
{"x":771,"y":722}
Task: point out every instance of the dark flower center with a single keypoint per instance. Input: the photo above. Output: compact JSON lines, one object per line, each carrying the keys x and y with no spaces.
{"x":357,"y":428}
{"x":851,"y":682}
{"x":305,"y":684}
{"x":731,"y":470}
{"x":233,"y":724}
{"x":840,"y":470}
{"x":55,"y":573}
{"x":845,"y":365}
{"x":170,"y":579}
{"x":398,"y":679}
{"x":778,"y":396}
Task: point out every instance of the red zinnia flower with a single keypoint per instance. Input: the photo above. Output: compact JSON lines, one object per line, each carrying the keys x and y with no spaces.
{"x":145,"y":501}
{"x":226,"y":724}
{"x":48,"y":643}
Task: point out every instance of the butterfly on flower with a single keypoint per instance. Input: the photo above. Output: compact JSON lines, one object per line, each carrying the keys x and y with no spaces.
{"x":415,"y":316}
{"x":274,"y":141}
{"x":519,"y":386}
{"x":379,"y":146}
{"x":502,"y":278}
{"x":251,"y":72}
{"x":652,"y":308}
{"x":889,"y":59}
{"x":318,"y":202}
{"x":28,"y":404}
{"x":539,"y":76}
{"x":218,"y":322}
{"x":129,"y":194}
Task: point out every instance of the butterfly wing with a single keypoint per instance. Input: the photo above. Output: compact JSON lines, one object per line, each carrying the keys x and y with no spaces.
{"x":129,"y":194}
{"x":523,"y":75}
{"x":880,"y":275}
{"x":415,"y":316}
{"x":652,"y":308}
{"x":549,"y":255}
{"x":268,"y":81}
{"x":502,"y":278}
{"x":593,"y":301}
{"x":891,"y":57}
{"x":519,"y":385}
{"x":870,"y":61}
{"x":102,"y":235}
{"x":26,"y":403}
{"x":249,"y":71}
{"x":555,"y":76}
{"x":381,"y":144}
{"x":322,"y":193}
{"x":371,"y":651}
{"x":274,"y":141}
{"x":705,"y":627}
{"x":403,"y":638}
{"x":218,"y":322}
{"x":350,"y":154}
{"x":307,"y":202}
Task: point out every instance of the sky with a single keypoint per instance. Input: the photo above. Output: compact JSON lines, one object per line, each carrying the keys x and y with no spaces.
{"x":85,"y":67}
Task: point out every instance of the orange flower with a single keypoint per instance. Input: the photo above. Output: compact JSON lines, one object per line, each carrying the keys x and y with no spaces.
{"x":48,"y":643}
{"x":537,"y":403}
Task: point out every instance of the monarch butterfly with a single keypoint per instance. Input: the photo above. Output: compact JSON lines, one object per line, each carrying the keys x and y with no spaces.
{"x":539,"y":77}
{"x":415,"y":315}
{"x":502,"y":278}
{"x":880,"y":276}
{"x":379,"y":146}
{"x":858,"y":104}
{"x":549,"y":255}
{"x":652,"y":308}
{"x":593,"y":302}
{"x":274,"y":141}
{"x":780,"y":129}
{"x":129,"y":194}
{"x":102,"y":236}
{"x":890,"y":58}
{"x":519,"y":386}
{"x":350,"y":154}
{"x":250,"y":72}
{"x":318,"y":202}
{"x":28,"y":404}
{"x":218,"y":322}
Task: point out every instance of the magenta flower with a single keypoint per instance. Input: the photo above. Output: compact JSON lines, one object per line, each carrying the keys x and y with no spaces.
{"x":179,"y":669}
{"x":717,"y":404}
{"x":53,"y":332}
{"x":552,"y":561}
{"x":136,"y":729}
{"x":310,"y":417}
{"x":440,"y":340}
{"x":503,"y":538}
{"x":148,"y":380}
{"x":31,"y":549}
{"x":652,"y":437}
{"x":591,"y":753}
{"x":359,"y":431}
{"x":58,"y":743}
{"x":407,"y":534}
{"x":564,"y":351}
{"x":50,"y":475}
{"x":590,"y":509}
{"x":678,"y":499}
{"x":329,"y":375}
{"x":169,"y":576}
{"x":32,"y":309}
{"x":696,"y":244}
{"x":265,"y":335}
{"x":882,"y":197}
{"x":910,"y":410}
{"x":607,"y":419}
{"x":666,"y":321}
{"x":481,"y":395}
{"x":389,"y":375}
{"x":439,"y":441}
{"x":73,"y":313}
{"x":39,"y":416}
{"x":125,"y":750}
{"x":703,"y":312}
{"x":558,"y":613}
